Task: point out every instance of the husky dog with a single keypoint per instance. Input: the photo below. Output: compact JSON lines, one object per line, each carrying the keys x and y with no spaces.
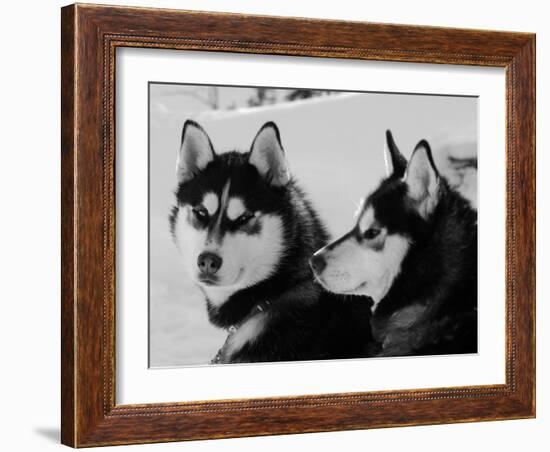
{"x":246,"y":232}
{"x":413,"y":250}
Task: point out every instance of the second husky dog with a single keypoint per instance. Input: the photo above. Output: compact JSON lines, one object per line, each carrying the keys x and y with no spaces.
{"x":246,"y":232}
{"x":413,"y":249}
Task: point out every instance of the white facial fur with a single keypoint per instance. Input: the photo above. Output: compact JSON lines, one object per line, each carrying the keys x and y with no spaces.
{"x":210,"y":203}
{"x":365,"y":219}
{"x":235,"y":208}
{"x":247,"y":258}
{"x":366,"y":267}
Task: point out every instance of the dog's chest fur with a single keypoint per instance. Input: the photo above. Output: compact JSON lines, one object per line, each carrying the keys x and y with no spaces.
{"x":399,"y":332}
{"x":247,"y":333}
{"x":244,"y":334}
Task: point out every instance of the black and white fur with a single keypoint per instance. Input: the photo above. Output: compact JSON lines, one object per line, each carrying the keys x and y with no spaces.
{"x":413,"y":249}
{"x":246,"y":232}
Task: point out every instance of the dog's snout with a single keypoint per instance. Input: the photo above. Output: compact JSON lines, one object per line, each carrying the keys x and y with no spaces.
{"x":209,"y":263}
{"x":318,"y":263}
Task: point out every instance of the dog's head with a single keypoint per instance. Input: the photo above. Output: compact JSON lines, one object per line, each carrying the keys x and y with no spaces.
{"x":367,"y":259}
{"x":228,"y":220}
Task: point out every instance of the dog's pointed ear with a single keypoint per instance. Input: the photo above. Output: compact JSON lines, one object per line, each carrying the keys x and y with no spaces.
{"x":396,"y":164}
{"x":422,"y":179}
{"x":195,"y":153}
{"x":267,"y":155}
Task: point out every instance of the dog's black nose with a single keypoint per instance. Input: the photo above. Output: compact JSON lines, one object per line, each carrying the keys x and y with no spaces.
{"x":318,"y":263}
{"x":209,"y":263}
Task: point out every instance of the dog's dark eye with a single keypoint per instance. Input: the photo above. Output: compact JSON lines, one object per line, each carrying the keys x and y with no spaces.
{"x":200,"y":213}
{"x":371,"y":233}
{"x":243,"y":219}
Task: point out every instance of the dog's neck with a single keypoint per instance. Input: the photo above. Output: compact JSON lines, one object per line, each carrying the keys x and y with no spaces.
{"x":217,"y":296}
{"x":230,"y":309}
{"x":437,"y":263}
{"x":280,"y":291}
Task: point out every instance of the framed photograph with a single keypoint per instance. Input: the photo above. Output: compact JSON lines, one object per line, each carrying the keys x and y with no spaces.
{"x":282,"y":225}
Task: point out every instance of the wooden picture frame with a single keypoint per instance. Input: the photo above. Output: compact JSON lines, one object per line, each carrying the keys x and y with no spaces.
{"x":90,"y":35}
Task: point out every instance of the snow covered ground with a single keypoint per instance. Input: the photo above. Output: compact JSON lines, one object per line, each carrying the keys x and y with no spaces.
{"x":335,"y":148}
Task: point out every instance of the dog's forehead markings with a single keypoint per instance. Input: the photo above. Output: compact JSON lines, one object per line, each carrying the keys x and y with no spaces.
{"x":225,"y":195}
{"x":366,"y":219}
{"x":210,"y":203}
{"x":223,"y":204}
{"x":235,"y":208}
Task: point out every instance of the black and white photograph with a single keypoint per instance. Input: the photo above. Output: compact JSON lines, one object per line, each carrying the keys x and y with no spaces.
{"x":292,"y":224}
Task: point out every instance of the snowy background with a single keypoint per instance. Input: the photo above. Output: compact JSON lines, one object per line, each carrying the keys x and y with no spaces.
{"x":334,"y":143}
